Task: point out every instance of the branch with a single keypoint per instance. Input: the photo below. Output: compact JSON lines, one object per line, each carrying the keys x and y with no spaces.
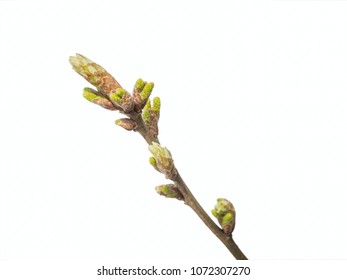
{"x":143,"y":118}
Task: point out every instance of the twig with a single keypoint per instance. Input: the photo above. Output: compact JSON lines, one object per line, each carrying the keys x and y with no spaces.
{"x":143,"y":118}
{"x":191,"y":201}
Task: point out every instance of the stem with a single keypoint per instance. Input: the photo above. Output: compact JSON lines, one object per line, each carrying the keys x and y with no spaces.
{"x":142,"y":129}
{"x":189,"y":198}
{"x":191,"y":201}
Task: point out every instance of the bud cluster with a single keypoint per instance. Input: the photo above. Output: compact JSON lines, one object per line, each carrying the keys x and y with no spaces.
{"x":142,"y":91}
{"x":110,"y":95}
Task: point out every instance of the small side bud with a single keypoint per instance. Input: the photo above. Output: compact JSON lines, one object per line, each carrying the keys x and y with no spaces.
{"x":151,"y":114}
{"x":89,"y":94}
{"x":139,"y":85}
{"x":120,"y":92}
{"x":92,"y":92}
{"x":123,"y":99}
{"x":115,"y":98}
{"x":126,"y":123}
{"x":156,"y":104}
{"x":146,"y":116}
{"x":117,"y":95}
{"x":169,"y":191}
{"x":148,"y":105}
{"x":163,"y":160}
{"x":225,"y":213}
{"x":92,"y":96}
{"x":147,"y":90}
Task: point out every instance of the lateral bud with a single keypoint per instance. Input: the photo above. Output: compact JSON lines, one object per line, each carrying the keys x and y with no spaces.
{"x":142,"y":91}
{"x":123,"y":99}
{"x":169,"y":191}
{"x":126,"y":123}
{"x":151,"y":115}
{"x":163,"y":160}
{"x":225,"y":213}
{"x":95,"y":97}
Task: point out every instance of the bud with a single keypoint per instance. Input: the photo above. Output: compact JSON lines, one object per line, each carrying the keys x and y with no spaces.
{"x":146,"y":116}
{"x":123,"y":99}
{"x":151,"y":114}
{"x":139,"y":85}
{"x":225,"y":213}
{"x":117,"y":95}
{"x":169,"y":191}
{"x":94,"y":74}
{"x":147,"y":90}
{"x":141,"y":93}
{"x":163,"y":160}
{"x":156,"y":105}
{"x":126,"y":123}
{"x":92,"y":96}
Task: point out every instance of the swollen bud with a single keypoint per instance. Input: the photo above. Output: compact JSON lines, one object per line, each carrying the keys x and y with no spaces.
{"x":126,"y":123}
{"x":169,"y":191}
{"x":94,"y":74}
{"x":225,"y":213}
{"x":163,"y":159}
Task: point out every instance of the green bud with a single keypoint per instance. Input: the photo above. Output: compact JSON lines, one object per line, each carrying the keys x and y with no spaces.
{"x":141,"y":93}
{"x":225,"y":213}
{"x":91,"y":96}
{"x":139,"y":85}
{"x":120,"y":92}
{"x":156,"y":104}
{"x":123,"y":99}
{"x":146,"y":116}
{"x":164,"y":160}
{"x":169,"y":191}
{"x":150,"y":115}
{"x":114,"y":97}
{"x":148,"y":105}
{"x":147,"y":90}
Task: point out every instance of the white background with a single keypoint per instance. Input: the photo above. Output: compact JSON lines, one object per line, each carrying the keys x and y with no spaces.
{"x":253,"y":109}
